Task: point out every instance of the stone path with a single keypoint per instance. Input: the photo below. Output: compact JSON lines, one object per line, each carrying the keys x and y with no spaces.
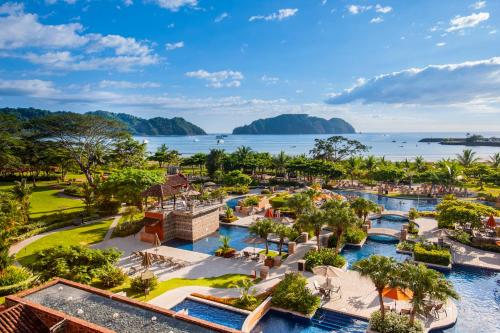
{"x":112,"y":227}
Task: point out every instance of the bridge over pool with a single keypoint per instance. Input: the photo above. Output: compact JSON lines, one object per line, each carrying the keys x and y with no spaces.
{"x":390,"y":213}
{"x":384,"y":232}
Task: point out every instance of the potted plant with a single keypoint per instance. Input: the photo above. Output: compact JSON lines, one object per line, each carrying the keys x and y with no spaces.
{"x":225,"y":250}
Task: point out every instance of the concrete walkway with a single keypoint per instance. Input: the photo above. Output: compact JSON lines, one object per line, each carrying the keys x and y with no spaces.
{"x":469,"y":256}
{"x":112,"y":227}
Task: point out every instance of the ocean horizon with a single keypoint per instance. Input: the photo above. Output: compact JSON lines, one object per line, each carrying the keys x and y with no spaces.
{"x":395,"y":146}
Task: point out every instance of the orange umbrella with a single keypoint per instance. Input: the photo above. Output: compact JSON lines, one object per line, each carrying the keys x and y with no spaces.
{"x":397,"y":294}
{"x":491,"y":222}
{"x":269,"y":213}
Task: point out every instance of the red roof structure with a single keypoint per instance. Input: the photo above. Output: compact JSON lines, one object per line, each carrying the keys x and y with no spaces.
{"x":176,"y":181}
{"x":20,"y":319}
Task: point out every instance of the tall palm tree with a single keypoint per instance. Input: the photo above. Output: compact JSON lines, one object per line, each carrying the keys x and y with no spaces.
{"x":449,"y":174}
{"x":340,"y":217}
{"x":370,"y":164}
{"x":242,"y":154}
{"x":22,"y":193}
{"x":495,"y":160}
{"x":419,"y":163}
{"x":363,"y":207}
{"x":282,"y":231}
{"x":353,"y":164}
{"x":313,"y":220}
{"x":467,"y":158}
{"x":215,"y":161}
{"x":262,"y":229}
{"x":425,"y":283}
{"x":380,"y":270}
{"x":279,"y":162}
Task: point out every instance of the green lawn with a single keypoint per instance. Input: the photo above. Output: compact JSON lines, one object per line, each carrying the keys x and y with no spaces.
{"x":45,"y":201}
{"x":83,"y":235}
{"x":223,"y":281}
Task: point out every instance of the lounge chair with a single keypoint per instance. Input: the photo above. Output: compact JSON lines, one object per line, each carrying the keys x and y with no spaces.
{"x":438,"y":309}
{"x":322,"y":291}
{"x":405,"y":312}
{"x":246,"y":254}
{"x":428,"y":309}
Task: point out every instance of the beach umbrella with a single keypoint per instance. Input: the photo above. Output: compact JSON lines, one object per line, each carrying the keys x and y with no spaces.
{"x":327,"y":271}
{"x":146,"y":260}
{"x":491,"y":222}
{"x":254,"y":240}
{"x":269,"y":213}
{"x":157,"y":241}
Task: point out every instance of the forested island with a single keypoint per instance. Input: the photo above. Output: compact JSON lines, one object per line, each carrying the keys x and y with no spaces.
{"x":136,"y":125}
{"x":296,"y":124}
{"x":472,"y":140}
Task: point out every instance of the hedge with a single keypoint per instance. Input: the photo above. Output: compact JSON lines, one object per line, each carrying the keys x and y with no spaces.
{"x":325,"y":256}
{"x":278,"y":202}
{"x":431,"y":254}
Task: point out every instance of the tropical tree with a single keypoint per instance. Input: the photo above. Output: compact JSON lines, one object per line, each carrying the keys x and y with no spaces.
{"x":215,"y":161}
{"x":352,"y":166}
{"x":424,"y":283}
{"x":419,"y":163}
{"x":22,"y":193}
{"x":241,"y":156}
{"x":161,"y":155}
{"x":467,"y":158}
{"x":495,"y":160}
{"x":279,"y":162}
{"x":381,"y":271}
{"x":339,"y":216}
{"x":262,"y":229}
{"x":199,"y":159}
{"x":449,"y":173}
{"x":337,"y":148}
{"x":363,"y":207}
{"x":129,"y":153}
{"x":369,"y":164}
{"x":300,"y":203}
{"x":282,"y":231}
{"x":86,"y":138}
{"x":314,"y":220}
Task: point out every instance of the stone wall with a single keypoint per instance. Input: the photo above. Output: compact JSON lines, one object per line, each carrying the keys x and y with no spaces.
{"x":193,"y":226}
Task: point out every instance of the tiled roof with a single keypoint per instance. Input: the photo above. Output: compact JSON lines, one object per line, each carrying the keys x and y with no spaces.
{"x":178,"y":180}
{"x":20,"y":319}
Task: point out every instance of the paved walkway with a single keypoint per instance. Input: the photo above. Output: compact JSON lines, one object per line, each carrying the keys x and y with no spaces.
{"x":469,"y":256}
{"x":112,"y":227}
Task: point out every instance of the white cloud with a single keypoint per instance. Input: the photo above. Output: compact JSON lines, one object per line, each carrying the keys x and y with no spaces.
{"x":173,"y":46}
{"x":474,"y":82}
{"x":269,"y":80}
{"x":175,"y":5}
{"x":382,"y":9}
{"x":377,"y":20}
{"x":221,"y":17}
{"x":463,"y":22}
{"x":277,"y":16}
{"x":127,"y":84}
{"x":441,"y":44}
{"x":11,"y":8}
{"x":51,"y":2}
{"x":354,"y":9}
{"x":478,"y":5}
{"x":492,"y":32}
{"x":220,"y":79}
{"x":128,"y":2}
{"x":33,"y":88}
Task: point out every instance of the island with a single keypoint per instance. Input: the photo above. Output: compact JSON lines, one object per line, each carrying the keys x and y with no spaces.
{"x":136,"y":125}
{"x":296,"y":124}
{"x":471,"y":140}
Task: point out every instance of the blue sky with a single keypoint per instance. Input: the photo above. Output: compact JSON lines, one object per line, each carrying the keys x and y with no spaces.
{"x":413,"y":65}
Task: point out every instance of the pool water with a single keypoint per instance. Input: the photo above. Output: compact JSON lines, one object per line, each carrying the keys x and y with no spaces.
{"x":211,"y":243}
{"x":212,"y":313}
{"x":389,"y":222}
{"x":381,"y":245}
{"x":422,"y":204}
{"x":232,"y":203}
{"x":322,"y":322}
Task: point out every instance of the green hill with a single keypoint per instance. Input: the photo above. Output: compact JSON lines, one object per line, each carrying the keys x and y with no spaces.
{"x":136,"y":125}
{"x":296,"y":124}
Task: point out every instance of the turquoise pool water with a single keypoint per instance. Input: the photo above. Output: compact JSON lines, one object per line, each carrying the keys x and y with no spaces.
{"x":211,"y":243}
{"x":231,"y":203}
{"x":211,"y":313}
{"x":423,"y":204}
{"x":389,"y":222}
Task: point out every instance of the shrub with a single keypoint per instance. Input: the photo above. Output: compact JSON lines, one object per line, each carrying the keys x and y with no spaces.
{"x":431,"y":254}
{"x":237,"y":178}
{"x":73,"y":190}
{"x":14,"y":279}
{"x":406,"y":246}
{"x":278,"y":202}
{"x":393,"y":323}
{"x":328,"y":257}
{"x":332,"y":241}
{"x":111,"y":276}
{"x":265,"y":191}
{"x":461,"y":236}
{"x":251,"y":201}
{"x":354,"y":235}
{"x":237,"y":189}
{"x":139,"y":285}
{"x":292,"y":293}
{"x":127,"y":228}
{"x":427,"y":213}
{"x":412,"y":228}
{"x":76,"y":262}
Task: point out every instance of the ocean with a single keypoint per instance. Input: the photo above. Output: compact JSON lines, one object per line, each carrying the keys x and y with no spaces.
{"x":394,"y":146}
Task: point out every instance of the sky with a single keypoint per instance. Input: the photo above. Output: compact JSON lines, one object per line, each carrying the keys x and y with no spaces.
{"x":384,"y":66}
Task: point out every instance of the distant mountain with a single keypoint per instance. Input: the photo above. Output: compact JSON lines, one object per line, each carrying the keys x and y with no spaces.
{"x":296,"y":124}
{"x":136,"y":125}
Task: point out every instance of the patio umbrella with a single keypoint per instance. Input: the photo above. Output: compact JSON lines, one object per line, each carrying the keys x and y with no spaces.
{"x":209,"y":184}
{"x":156,"y":242}
{"x":146,"y":260}
{"x":254,"y":240}
{"x":491,"y":222}
{"x":269,"y":213}
{"x":327,"y":271}
{"x":397,"y":294}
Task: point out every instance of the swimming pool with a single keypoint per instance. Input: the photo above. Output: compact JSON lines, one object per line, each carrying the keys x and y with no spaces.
{"x":212,"y":313}
{"x":389,"y":222}
{"x":479,"y":289}
{"x":211,"y":243}
{"x":232,"y":203}
{"x":323,"y":322}
{"x":422,"y":204}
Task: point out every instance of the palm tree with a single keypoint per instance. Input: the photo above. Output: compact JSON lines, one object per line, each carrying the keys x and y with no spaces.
{"x":242,"y":155}
{"x":380,"y":270}
{"x":313,"y":219}
{"x":352,"y":166}
{"x":467,"y":158}
{"x":449,"y":174}
{"x":300,"y":203}
{"x":370,"y":165}
{"x":215,"y":161}
{"x":495,"y":160}
{"x":363,"y":207}
{"x":279,"y":162}
{"x":282,"y":231}
{"x":425,"y":284}
{"x":419,"y":163}
{"x":340,"y":217}
{"x":22,"y":193}
{"x":262,"y":229}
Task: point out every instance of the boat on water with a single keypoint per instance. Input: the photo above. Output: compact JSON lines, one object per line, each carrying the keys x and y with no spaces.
{"x":219,"y":137}
{"x":220,"y":141}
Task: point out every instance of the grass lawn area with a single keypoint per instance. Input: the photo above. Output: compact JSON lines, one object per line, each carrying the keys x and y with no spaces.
{"x":273,"y":254}
{"x":223,"y":281}
{"x":82,"y":235}
{"x":45,"y":201}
